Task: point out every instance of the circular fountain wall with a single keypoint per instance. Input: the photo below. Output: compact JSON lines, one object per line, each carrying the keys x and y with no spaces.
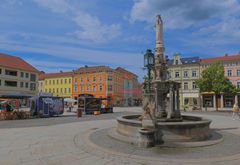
{"x":190,"y":129}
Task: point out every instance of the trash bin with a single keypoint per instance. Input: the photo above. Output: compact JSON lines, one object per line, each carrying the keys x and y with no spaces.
{"x":79,"y":113}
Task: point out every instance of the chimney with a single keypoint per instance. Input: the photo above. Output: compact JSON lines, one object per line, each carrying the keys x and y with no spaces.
{"x":226,"y":54}
{"x":61,"y":71}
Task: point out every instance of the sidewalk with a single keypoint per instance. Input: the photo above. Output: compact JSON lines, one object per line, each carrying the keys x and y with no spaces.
{"x":68,"y":144}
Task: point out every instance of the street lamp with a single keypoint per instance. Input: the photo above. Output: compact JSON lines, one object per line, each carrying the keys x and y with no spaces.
{"x":149,"y":63}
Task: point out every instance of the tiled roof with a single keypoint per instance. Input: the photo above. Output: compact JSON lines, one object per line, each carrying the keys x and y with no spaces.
{"x":221,"y":58}
{"x":93,"y":68}
{"x":16,"y":63}
{"x":42,"y":76}
{"x":187,"y":60}
{"x":120,"y":69}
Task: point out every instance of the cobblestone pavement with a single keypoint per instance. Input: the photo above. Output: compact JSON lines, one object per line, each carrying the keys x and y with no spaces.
{"x":67,"y":141}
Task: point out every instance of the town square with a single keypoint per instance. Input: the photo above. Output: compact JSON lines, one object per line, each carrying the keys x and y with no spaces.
{"x":133,"y":82}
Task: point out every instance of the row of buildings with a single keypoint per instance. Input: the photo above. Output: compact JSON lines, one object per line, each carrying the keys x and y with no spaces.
{"x":20,"y":79}
{"x":187,"y":70}
{"x":101,"y":81}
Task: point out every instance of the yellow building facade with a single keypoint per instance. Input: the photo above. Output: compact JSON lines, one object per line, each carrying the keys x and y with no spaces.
{"x":59,"y":84}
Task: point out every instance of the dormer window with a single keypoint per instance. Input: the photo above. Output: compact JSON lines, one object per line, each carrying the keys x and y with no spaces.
{"x":176,"y":62}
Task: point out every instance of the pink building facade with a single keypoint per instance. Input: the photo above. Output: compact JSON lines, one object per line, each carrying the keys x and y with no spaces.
{"x":231,"y":65}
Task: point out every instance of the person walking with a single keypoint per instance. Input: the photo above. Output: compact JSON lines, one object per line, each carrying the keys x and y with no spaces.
{"x":235,"y":111}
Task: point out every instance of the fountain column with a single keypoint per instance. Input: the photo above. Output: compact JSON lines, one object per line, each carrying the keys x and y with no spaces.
{"x":160,"y":72}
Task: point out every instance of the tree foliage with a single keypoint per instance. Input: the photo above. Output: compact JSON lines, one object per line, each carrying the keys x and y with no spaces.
{"x":213,"y":80}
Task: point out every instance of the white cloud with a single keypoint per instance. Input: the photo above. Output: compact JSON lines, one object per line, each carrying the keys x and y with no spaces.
{"x":227,"y":28}
{"x":58,"y":6}
{"x":52,"y":66}
{"x":182,"y":14}
{"x":90,"y":27}
{"x":75,"y":53}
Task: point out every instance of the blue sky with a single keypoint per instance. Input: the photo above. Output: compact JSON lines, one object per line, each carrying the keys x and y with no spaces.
{"x":56,"y":35}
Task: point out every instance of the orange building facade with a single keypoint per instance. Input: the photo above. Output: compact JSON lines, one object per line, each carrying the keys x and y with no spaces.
{"x":100,"y":81}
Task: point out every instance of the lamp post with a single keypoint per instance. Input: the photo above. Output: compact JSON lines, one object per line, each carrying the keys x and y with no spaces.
{"x":149,"y":63}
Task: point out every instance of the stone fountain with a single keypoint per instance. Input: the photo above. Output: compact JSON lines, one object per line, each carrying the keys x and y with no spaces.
{"x":161,"y":122}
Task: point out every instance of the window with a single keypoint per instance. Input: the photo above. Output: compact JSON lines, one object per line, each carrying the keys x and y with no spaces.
{"x":0,"y":71}
{"x":61,"y":90}
{"x":94,"y":79}
{"x":176,"y":62}
{"x":65,"y":89}
{"x":69,"y":81}
{"x":50,"y":90}
{"x":57,"y":81}
{"x":110,"y":88}
{"x":50,"y":82}
{"x":94,"y":88}
{"x":185,"y":86}
{"x":177,"y":74}
{"x":100,"y":87}
{"x":88,"y":79}
{"x":46,"y":82}
{"x":75,"y":88}
{"x":65,"y":81}
{"x":10,"y":72}
{"x":32,"y":77}
{"x":82,"y":89}
{"x":53,"y":90}
{"x":238,"y":84}
{"x":195,"y":101}
{"x":75,"y":80}
{"x":21,"y":84}
{"x":26,"y":75}
{"x":88,"y":87}
{"x":22,"y":74}
{"x":57,"y":90}
{"x":100,"y":77}
{"x":169,"y":75}
{"x":26,"y":85}
{"x":61,"y":81}
{"x":238,"y":72}
{"x":229,"y":72}
{"x":109,"y":78}
{"x":81,"y":79}
{"x":194,"y":86}
{"x":186,"y":101}
{"x":69,"y":90}
{"x":53,"y":82}
{"x":11,"y":83}
{"x":185,"y":74}
{"x":194,"y":73}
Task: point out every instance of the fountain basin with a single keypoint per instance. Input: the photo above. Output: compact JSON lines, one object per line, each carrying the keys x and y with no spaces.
{"x":191,"y":128}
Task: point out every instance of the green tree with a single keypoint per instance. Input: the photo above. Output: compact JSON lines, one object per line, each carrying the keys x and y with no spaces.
{"x":213,"y":80}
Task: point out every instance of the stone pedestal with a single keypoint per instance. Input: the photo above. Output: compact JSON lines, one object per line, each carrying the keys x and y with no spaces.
{"x":146,"y":137}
